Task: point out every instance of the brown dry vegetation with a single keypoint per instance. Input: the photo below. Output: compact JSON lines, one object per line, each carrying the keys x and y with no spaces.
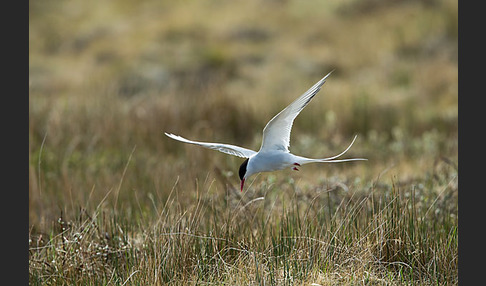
{"x":114,"y":201}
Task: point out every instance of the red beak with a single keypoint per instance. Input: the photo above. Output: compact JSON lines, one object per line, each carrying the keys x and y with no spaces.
{"x":242,"y":183}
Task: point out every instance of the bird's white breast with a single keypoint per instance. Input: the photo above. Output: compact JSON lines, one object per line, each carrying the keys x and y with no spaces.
{"x":270,"y":161}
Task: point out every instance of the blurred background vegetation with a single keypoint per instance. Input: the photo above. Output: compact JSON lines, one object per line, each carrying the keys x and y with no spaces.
{"x":106,"y":78}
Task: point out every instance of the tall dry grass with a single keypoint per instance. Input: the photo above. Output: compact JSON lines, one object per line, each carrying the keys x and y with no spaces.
{"x":333,"y":235}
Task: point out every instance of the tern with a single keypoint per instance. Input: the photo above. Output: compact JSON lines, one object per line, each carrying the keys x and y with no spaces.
{"x":274,"y":152}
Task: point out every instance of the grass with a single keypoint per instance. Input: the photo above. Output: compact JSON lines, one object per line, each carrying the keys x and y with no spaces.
{"x":335,"y":236}
{"x":113,"y":201}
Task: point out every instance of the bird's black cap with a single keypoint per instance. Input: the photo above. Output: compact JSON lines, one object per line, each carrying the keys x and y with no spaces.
{"x":242,"y":170}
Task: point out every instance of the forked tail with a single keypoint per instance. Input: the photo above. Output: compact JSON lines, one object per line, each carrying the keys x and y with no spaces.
{"x":303,"y":160}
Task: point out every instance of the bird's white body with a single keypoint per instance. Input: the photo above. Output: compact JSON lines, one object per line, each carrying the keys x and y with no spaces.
{"x":274,"y":153}
{"x":269,"y":161}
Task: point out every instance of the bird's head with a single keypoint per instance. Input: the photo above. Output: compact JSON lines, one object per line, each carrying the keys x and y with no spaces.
{"x":242,"y":172}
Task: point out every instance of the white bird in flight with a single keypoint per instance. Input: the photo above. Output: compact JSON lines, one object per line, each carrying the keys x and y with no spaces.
{"x":274,"y":152}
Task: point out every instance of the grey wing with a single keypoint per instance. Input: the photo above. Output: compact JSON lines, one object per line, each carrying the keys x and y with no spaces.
{"x":276,"y":135}
{"x":225,"y":148}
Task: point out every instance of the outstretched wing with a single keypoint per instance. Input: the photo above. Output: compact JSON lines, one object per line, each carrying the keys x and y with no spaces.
{"x":276,"y":135}
{"x":225,"y":148}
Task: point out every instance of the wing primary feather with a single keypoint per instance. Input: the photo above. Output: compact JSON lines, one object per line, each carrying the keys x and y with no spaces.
{"x":276,"y":134}
{"x":224,"y":148}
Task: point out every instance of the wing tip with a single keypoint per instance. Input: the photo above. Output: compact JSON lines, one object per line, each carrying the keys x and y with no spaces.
{"x":175,"y":137}
{"x":327,"y":75}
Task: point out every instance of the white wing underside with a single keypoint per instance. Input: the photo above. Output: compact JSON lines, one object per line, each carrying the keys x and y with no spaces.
{"x":276,"y":134}
{"x":225,"y":148}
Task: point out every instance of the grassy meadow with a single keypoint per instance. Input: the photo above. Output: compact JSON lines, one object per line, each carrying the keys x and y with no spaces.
{"x":113,"y":201}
